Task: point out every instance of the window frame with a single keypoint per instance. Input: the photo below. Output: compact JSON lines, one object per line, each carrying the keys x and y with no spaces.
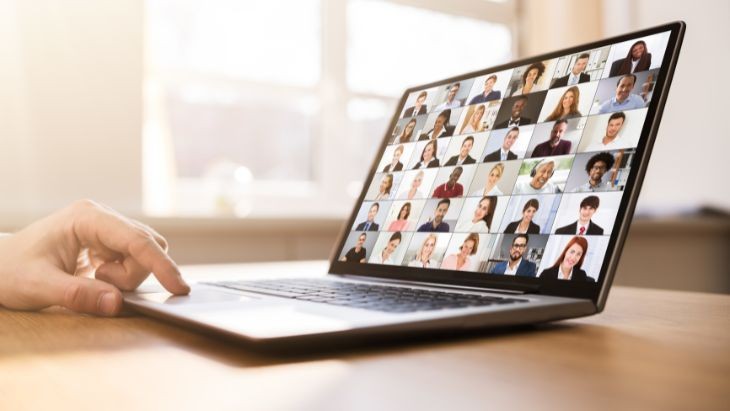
{"x":162,"y":188}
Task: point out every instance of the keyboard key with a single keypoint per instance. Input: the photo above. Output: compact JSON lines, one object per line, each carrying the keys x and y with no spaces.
{"x":370,"y":297}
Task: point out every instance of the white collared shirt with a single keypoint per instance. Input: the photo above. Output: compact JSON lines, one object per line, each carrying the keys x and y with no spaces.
{"x":634,"y":63}
{"x":508,"y":271}
{"x":617,"y":143}
{"x":443,"y":106}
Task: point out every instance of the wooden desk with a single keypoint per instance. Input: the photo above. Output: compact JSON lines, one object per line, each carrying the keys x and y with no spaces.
{"x":649,"y":350}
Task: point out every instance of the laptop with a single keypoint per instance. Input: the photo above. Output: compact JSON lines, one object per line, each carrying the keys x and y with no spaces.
{"x":496,"y":198}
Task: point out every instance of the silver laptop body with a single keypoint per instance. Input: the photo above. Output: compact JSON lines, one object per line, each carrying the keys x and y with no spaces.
{"x":466,"y":257}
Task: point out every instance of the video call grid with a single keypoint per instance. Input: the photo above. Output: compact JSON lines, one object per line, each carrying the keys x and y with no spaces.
{"x":597,"y":78}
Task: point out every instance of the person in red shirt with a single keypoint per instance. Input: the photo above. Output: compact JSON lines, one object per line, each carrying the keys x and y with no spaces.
{"x":450,"y":188}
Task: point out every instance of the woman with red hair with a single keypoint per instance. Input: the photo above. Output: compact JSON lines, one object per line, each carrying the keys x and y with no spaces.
{"x":567,"y":266}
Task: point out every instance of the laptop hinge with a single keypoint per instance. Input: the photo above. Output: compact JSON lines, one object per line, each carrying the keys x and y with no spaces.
{"x":437,"y":285}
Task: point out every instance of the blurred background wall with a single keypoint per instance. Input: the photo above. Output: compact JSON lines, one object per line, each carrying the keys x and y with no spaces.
{"x":243,"y":131}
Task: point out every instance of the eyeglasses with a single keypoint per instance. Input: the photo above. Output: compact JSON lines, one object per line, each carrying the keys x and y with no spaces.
{"x":519,"y":245}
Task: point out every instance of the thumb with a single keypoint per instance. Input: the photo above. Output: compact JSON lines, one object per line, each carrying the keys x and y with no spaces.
{"x":84,"y":295}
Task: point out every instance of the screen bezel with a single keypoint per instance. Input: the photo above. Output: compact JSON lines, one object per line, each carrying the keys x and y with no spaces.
{"x":598,"y":291}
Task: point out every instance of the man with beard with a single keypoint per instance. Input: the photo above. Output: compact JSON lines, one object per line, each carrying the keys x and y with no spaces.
{"x":596,"y":168}
{"x":437,"y":223}
{"x":555,"y":146}
{"x":516,"y":265}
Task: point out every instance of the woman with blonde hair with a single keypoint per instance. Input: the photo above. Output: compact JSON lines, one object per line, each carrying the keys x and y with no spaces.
{"x":409,"y":193}
{"x":461,"y":260}
{"x":422,"y":258}
{"x":474,"y":123}
{"x":490,"y":188}
{"x":567,"y":106}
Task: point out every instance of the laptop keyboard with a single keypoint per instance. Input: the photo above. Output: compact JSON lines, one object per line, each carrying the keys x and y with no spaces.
{"x":365,"y":296}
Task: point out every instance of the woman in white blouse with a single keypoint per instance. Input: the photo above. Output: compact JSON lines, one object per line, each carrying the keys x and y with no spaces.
{"x":423,"y":258}
{"x":481,"y":220}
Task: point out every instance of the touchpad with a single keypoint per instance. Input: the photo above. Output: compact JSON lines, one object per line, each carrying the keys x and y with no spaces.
{"x":196,"y":296}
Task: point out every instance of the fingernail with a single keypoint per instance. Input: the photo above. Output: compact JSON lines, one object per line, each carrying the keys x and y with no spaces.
{"x":108,"y":304}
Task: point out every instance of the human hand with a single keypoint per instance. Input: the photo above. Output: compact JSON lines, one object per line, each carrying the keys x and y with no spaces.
{"x":45,"y":263}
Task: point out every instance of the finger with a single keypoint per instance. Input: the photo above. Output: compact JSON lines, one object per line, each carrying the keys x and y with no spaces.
{"x":100,"y":255}
{"x":95,"y":224}
{"x":126,"y":275}
{"x":80,"y":294}
{"x":159,"y":238}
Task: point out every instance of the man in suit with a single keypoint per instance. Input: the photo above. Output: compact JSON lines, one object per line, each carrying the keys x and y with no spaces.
{"x":504,"y":153}
{"x":463,"y":157}
{"x":516,"y":265}
{"x":488,"y":94}
{"x":555,"y":145}
{"x":516,"y":118}
{"x":576,"y":75}
{"x":419,"y":108}
{"x":370,"y":224}
{"x":584,"y":225}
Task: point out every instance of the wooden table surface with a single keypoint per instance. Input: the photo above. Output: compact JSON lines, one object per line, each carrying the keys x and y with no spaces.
{"x":650,"y":349}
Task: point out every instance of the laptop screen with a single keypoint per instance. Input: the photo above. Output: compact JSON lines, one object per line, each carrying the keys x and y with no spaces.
{"x":519,"y":172}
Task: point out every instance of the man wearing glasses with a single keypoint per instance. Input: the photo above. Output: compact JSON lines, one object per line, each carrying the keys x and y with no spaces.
{"x":596,"y":168}
{"x":516,"y":265}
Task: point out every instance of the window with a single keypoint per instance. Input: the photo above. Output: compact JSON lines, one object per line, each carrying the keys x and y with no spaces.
{"x":253,"y":107}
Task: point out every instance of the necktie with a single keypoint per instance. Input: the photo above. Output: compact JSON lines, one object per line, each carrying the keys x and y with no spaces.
{"x":582,"y":231}
{"x":367,"y":227}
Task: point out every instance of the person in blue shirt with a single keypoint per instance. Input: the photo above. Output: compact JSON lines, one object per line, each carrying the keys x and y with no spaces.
{"x":624,"y":99}
{"x":437,"y":223}
{"x":488,"y":94}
